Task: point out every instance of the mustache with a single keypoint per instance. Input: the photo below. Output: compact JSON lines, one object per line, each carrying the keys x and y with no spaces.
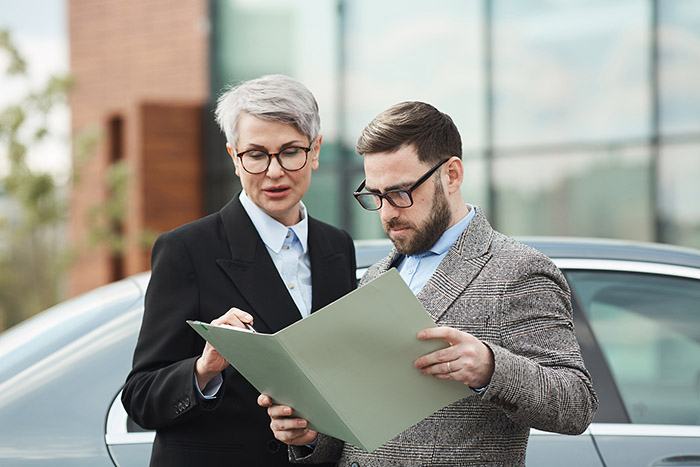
{"x":394,"y":223}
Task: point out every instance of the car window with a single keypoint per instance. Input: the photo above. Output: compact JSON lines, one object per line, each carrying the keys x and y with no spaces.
{"x":648,"y":327}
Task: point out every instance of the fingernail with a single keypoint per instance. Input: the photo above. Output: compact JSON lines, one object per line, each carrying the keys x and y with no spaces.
{"x":287,"y":411}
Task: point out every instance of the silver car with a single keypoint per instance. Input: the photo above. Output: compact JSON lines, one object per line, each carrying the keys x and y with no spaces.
{"x":637,"y":316}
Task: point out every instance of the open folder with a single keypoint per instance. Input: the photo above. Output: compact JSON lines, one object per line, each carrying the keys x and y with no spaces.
{"x":348,"y":367}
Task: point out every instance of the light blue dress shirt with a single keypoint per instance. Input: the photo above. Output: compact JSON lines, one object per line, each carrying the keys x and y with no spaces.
{"x":289,"y":249}
{"x":417,"y":269}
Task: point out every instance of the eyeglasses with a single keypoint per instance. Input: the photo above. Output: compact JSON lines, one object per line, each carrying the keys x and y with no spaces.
{"x":256,"y":161}
{"x":397,"y":198}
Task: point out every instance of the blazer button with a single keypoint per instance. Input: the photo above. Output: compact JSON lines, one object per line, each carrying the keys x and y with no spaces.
{"x":187,"y":402}
{"x":273,"y":447}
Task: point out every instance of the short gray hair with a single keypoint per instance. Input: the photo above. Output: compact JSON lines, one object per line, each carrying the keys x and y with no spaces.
{"x":271,"y":97}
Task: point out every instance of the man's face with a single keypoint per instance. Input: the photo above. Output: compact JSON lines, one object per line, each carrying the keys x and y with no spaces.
{"x":276,"y":191}
{"x":415,"y":229}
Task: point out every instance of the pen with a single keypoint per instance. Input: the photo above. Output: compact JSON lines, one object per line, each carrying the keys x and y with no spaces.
{"x":248,"y":327}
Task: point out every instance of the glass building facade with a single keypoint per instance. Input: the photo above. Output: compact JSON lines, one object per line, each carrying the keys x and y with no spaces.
{"x":578,"y":117}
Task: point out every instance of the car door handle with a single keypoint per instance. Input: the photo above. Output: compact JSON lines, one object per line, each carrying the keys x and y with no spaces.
{"x":678,"y":461}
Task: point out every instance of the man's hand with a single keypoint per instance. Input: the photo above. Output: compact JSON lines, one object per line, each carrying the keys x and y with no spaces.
{"x":211,"y":363}
{"x":285,"y":428}
{"x":467,"y":359}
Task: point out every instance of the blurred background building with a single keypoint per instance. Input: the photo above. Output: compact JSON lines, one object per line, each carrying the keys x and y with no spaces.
{"x":578,"y":117}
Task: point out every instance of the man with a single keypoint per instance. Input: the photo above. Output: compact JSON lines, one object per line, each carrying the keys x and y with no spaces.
{"x":262,"y":258}
{"x":503,"y":307}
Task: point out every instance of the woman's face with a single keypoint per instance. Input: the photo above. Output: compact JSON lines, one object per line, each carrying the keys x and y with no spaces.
{"x":276,"y":191}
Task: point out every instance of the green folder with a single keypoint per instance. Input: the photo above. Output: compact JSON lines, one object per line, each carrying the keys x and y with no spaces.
{"x":347,"y":368}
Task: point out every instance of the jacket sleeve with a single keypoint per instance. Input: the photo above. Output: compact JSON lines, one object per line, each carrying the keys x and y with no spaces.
{"x":160,"y":389}
{"x":327,"y":449}
{"x":540,"y":379}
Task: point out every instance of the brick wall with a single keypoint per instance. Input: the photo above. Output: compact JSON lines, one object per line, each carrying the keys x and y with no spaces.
{"x":143,"y":64}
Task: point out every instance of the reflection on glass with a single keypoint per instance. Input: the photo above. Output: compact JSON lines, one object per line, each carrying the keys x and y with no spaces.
{"x":679,"y":192}
{"x":570,"y":71}
{"x":293,"y":37}
{"x":475,"y":181}
{"x":648,"y":327}
{"x":426,"y":51}
{"x":679,"y":58}
{"x":602,"y":193}
{"x":322,"y":198}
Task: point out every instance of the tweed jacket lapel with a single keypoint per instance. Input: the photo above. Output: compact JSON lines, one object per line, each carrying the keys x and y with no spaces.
{"x":462,"y":263}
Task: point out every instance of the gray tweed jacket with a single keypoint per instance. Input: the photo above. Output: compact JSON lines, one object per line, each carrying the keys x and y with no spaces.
{"x":514,"y":299}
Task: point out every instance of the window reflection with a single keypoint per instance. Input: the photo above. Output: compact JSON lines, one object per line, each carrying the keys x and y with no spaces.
{"x":598,"y":193}
{"x":424,"y":52}
{"x":570,"y":71}
{"x":679,"y":41}
{"x":679,"y":170}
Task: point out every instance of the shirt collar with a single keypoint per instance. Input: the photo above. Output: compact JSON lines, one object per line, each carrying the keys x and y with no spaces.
{"x":272,"y":232}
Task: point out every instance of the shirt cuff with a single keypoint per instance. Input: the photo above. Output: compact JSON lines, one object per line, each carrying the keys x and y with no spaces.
{"x":312,"y":444}
{"x":212,"y":387}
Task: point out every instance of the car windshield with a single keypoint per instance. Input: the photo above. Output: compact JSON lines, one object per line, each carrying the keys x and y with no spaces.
{"x":52,"y":329}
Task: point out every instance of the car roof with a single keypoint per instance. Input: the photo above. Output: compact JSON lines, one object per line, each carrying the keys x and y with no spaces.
{"x":369,"y":251}
{"x":609,"y":249}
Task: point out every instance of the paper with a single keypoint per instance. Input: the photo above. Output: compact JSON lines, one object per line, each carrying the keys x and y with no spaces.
{"x":347,"y":368}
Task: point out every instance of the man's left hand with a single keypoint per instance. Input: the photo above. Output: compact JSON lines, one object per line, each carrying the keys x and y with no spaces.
{"x":467,"y":359}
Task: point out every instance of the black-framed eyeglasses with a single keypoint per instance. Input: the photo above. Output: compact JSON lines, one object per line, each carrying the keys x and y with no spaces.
{"x":256,"y":161}
{"x":397,"y":198}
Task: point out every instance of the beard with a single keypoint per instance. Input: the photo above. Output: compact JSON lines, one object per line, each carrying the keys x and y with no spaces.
{"x":427,"y":234}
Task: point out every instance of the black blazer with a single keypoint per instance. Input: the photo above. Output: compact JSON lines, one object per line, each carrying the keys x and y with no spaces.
{"x":199,"y":271}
